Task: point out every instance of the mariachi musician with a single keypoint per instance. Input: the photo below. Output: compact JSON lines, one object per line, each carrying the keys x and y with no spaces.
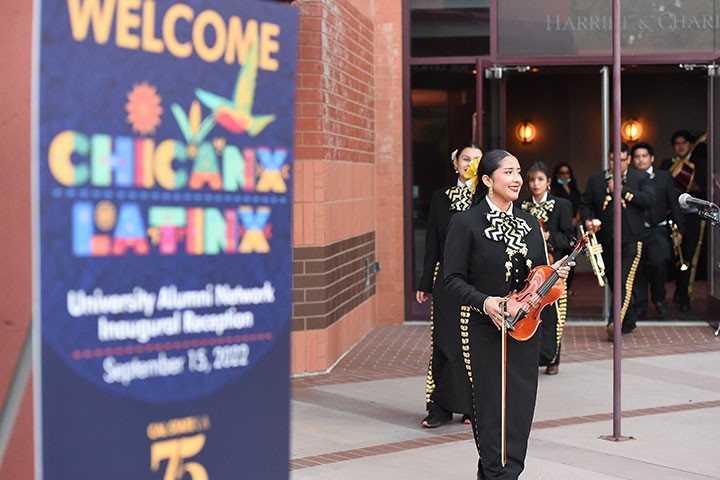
{"x":636,"y":196}
{"x":689,"y":170}
{"x":555,"y":216}
{"x":660,"y":220}
{"x":489,"y":252}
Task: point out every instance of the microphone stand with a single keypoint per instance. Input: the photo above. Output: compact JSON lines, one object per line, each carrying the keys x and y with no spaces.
{"x":712,"y":215}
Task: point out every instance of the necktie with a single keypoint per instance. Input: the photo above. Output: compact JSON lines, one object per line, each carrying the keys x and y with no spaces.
{"x":540,"y":210}
{"x":460,"y":198}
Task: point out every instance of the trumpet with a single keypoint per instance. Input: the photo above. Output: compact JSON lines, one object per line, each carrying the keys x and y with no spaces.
{"x":675,"y":235}
{"x":594,"y":250}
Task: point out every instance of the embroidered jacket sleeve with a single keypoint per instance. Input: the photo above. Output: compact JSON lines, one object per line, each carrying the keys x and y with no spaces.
{"x":643,"y":195}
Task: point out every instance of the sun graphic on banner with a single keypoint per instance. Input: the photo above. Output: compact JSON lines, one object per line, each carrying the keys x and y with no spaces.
{"x":143,"y":108}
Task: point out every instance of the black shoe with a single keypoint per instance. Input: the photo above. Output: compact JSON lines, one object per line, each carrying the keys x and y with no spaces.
{"x":677,"y":297}
{"x":628,"y":328}
{"x":662,"y":309}
{"x":433,"y":420}
{"x":552,"y":369}
{"x":685,"y":307}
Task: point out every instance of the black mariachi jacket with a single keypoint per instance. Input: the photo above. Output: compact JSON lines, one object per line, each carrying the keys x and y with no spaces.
{"x":437,"y":225}
{"x":559,"y":213}
{"x":666,"y":201}
{"x":637,"y":196}
{"x":476,"y":266}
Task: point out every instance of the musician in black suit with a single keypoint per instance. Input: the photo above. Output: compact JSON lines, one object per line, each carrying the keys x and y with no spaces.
{"x":597,"y":204}
{"x":447,"y":389}
{"x":657,"y":250}
{"x":489,"y":251}
{"x":689,"y":170}
{"x":556,"y":219}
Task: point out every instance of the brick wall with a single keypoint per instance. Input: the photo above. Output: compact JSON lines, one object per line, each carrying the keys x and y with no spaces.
{"x":15,"y":256}
{"x":335,"y":127}
{"x":340,"y":212}
{"x":389,"y":159}
{"x":332,"y":280}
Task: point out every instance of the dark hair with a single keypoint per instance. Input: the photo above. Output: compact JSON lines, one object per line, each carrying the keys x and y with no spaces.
{"x":644,"y":145}
{"x":463,"y":147}
{"x":538,"y":167}
{"x":684,"y":134}
{"x":556,"y":170}
{"x":623,"y":147}
{"x":558,"y":189}
{"x":488,"y":164}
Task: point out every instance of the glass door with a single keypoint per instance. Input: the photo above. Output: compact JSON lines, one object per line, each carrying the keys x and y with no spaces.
{"x":714,"y":189}
{"x":443,"y":104}
{"x":444,"y":41}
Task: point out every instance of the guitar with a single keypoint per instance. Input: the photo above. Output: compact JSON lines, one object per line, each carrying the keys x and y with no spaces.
{"x":683,"y":170}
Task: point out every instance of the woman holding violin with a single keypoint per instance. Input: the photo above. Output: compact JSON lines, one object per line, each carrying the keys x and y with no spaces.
{"x":489,"y":252}
{"x":556,"y":219}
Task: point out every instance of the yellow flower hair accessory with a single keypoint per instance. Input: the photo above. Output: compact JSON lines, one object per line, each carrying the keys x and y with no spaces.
{"x":471,"y":174}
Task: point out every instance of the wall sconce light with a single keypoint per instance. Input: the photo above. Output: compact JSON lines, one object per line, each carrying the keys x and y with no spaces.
{"x":631,"y":130}
{"x":525,"y":132}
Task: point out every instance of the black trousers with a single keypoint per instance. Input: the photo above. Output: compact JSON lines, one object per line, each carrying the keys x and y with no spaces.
{"x":448,"y":388}
{"x":653,"y":269}
{"x":522,"y":379}
{"x":629,"y":262}
{"x":549,"y":332}
{"x":691,"y":246}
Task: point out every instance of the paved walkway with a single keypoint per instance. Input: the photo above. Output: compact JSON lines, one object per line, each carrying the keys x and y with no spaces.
{"x":362,"y":420}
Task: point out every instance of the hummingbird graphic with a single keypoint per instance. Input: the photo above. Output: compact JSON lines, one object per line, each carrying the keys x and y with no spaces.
{"x":235,"y":114}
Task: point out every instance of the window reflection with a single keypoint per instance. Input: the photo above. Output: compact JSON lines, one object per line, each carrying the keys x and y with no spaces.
{"x":450,"y":28}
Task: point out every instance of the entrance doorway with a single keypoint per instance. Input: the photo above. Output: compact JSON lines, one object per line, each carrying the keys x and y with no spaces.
{"x":563,"y":104}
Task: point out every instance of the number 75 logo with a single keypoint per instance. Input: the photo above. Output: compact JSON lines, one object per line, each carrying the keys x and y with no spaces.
{"x":176,"y":451}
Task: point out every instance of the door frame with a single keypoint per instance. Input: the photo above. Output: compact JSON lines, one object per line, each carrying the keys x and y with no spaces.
{"x":482,"y":63}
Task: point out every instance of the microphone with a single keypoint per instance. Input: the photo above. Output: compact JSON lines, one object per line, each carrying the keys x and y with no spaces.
{"x":687,"y":201}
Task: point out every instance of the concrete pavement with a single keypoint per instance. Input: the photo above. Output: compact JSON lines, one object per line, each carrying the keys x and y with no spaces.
{"x":360,"y":422}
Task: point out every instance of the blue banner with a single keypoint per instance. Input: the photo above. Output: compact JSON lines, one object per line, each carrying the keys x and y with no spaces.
{"x":162,"y":173}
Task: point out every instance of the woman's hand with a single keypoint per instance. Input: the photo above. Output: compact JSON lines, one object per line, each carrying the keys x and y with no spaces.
{"x":563,"y":272}
{"x":494,"y":307}
{"x":421,"y":296}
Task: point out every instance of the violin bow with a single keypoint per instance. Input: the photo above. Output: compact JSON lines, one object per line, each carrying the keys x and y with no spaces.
{"x":503,"y":389}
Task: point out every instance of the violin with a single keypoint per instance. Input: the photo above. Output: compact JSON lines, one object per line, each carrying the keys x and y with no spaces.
{"x":542,"y":287}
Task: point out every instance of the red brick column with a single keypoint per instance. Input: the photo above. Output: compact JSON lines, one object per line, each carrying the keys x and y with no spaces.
{"x":15,"y":226}
{"x":339,"y":210}
{"x":389,"y":159}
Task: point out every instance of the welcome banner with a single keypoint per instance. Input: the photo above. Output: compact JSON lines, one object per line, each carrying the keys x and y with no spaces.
{"x":163,"y":147}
